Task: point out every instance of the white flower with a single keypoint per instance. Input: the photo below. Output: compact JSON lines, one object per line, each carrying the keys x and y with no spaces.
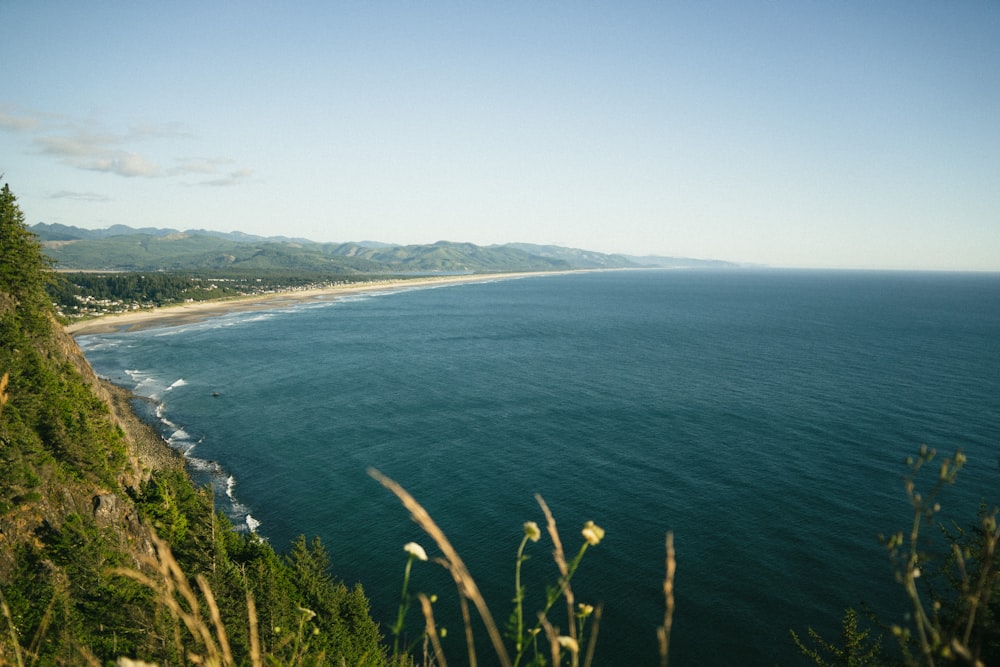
{"x":592,"y":533}
{"x":415,"y":550}
{"x":532,"y":531}
{"x":569,"y":643}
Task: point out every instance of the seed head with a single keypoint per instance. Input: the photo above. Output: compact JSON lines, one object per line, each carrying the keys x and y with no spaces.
{"x":532,"y":531}
{"x":569,"y":643}
{"x":592,"y":533}
{"x":415,"y":550}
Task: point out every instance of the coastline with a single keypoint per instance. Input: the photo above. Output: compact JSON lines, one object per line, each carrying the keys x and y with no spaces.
{"x":201,"y":310}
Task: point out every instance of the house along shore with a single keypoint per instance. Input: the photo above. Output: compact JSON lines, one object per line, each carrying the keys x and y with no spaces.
{"x":201,"y":310}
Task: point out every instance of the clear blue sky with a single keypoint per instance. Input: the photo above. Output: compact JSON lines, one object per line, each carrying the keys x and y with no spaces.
{"x":790,"y":133}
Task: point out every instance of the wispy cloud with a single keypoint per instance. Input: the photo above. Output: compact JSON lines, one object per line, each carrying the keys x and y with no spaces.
{"x":18,"y":122}
{"x":122,"y":164}
{"x":80,"y":196}
{"x":233,"y":178}
{"x":200,"y":165}
{"x":90,"y":146}
{"x":172,"y":130}
{"x":85,"y":148}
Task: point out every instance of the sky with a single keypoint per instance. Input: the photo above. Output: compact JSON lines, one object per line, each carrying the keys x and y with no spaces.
{"x":790,"y":134}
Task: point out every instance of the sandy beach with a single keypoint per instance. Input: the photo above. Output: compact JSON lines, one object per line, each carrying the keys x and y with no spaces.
{"x":201,"y":310}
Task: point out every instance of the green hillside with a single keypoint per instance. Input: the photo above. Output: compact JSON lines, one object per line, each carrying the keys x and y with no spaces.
{"x":187,"y":252}
{"x":451,"y":257}
{"x":106,"y":547}
{"x":124,"y":249}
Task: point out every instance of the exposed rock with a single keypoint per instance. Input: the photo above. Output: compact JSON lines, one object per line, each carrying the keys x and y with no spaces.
{"x":107,"y":508}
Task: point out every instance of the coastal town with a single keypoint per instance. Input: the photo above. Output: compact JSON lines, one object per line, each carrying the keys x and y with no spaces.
{"x":75,"y":302}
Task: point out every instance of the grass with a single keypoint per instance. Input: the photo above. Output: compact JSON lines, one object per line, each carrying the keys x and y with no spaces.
{"x":943,"y":629}
{"x":558,"y":646}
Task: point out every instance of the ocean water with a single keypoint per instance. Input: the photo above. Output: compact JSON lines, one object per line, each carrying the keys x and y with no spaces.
{"x":762,"y":416}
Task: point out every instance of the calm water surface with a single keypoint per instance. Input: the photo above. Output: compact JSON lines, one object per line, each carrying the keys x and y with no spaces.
{"x":763,"y":416}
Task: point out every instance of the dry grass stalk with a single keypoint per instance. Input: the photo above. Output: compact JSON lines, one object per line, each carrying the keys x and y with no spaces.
{"x":592,"y":643}
{"x":559,"y":555}
{"x":11,"y":629}
{"x":255,"y":655}
{"x":87,"y":656}
{"x":663,"y":632}
{"x":173,"y":588}
{"x":431,"y":629}
{"x":552,"y":634}
{"x":220,"y":629}
{"x":43,"y":628}
{"x":467,"y":585}
{"x":4,"y":396}
{"x":470,"y":639}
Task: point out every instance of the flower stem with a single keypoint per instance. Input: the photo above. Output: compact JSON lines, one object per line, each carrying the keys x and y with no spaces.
{"x":404,"y":606}
{"x":519,"y":595}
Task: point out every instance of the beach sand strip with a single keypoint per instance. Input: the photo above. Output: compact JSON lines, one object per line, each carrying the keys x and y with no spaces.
{"x":201,"y":310}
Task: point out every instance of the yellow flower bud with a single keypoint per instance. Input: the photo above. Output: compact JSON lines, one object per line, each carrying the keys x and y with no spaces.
{"x":532,"y":531}
{"x":592,"y":533}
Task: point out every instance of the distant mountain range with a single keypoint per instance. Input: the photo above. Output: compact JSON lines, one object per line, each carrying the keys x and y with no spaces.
{"x":122,"y":248}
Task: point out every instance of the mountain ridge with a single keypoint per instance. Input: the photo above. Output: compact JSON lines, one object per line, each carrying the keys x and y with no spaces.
{"x":123,"y":248}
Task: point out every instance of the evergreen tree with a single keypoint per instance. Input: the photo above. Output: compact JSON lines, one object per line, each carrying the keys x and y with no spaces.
{"x":24,"y":270}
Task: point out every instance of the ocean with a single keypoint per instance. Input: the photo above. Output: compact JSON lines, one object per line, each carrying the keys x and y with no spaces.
{"x":763,"y":416}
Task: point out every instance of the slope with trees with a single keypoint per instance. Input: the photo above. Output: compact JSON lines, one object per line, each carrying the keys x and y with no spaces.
{"x":106,"y":547}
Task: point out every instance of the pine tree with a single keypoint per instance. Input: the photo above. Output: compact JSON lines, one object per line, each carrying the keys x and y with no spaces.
{"x":24,"y":269}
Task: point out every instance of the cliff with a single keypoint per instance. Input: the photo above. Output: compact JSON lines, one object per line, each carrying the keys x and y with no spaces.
{"x":107,"y":550}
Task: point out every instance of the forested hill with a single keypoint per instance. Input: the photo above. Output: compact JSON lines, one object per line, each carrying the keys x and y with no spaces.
{"x":121,"y":248}
{"x":87,"y":493}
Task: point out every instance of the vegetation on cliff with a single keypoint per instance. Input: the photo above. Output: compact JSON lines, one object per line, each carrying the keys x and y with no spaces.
{"x":92,"y":508}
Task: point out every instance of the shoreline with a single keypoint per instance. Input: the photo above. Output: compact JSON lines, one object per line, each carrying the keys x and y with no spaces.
{"x":198,"y":311}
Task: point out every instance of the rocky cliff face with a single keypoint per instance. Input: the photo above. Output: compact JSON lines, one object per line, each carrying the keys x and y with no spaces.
{"x":51,"y":494}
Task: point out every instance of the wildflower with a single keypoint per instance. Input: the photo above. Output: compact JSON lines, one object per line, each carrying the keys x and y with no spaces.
{"x":532,"y":531}
{"x":308,"y":613}
{"x":584,"y":610}
{"x":569,"y":643}
{"x":592,"y":533}
{"x":415,"y":550}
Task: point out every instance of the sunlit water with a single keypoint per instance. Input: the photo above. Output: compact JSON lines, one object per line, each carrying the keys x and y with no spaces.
{"x":763,"y":416}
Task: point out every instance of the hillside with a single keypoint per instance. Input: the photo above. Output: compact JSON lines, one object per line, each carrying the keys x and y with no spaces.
{"x":106,"y":547}
{"x":121,"y":248}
